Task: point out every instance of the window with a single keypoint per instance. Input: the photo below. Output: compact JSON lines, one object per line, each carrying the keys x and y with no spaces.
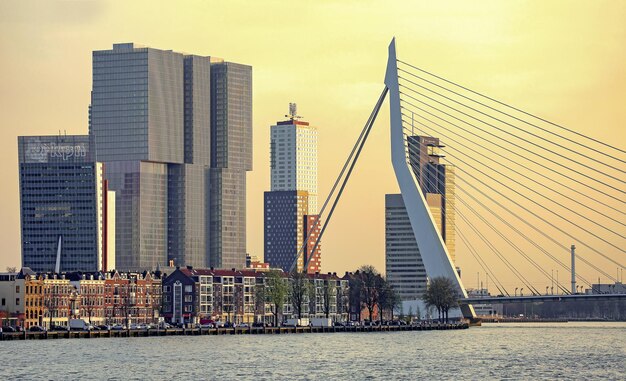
{"x":17,"y":301}
{"x":4,"y":301}
{"x":188,"y":298}
{"x":189,"y":288}
{"x":17,"y":289}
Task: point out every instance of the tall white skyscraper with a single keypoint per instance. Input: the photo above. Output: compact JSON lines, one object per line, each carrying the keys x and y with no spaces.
{"x":294,"y":157}
{"x":291,"y":205}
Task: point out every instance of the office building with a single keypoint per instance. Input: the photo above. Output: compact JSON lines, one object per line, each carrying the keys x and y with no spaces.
{"x":65,"y":213}
{"x":293,"y":170}
{"x":175,"y":132}
{"x":403,"y":264}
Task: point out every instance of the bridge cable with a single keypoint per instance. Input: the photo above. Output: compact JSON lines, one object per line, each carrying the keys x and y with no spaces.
{"x":538,"y":204}
{"x":518,"y":154}
{"x":512,"y":125}
{"x":540,"y":184}
{"x":520,"y":173}
{"x":523,"y":139}
{"x":530,"y":212}
{"x":482,"y":263}
{"x":516,"y":109}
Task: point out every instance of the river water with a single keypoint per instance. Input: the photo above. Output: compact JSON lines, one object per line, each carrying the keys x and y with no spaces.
{"x":530,"y":351}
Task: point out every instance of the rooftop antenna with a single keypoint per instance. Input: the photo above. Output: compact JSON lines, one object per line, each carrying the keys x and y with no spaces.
{"x":293,"y":112}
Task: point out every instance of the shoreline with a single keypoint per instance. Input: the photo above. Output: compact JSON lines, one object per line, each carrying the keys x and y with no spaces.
{"x":6,"y":336}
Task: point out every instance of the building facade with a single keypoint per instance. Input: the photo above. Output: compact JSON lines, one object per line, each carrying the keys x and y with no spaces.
{"x":285,"y":213}
{"x":293,"y":168}
{"x":63,"y":203}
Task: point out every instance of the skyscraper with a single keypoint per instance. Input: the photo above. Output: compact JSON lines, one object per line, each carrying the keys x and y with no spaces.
{"x":403,"y":263}
{"x":65,"y":215}
{"x":404,"y":267}
{"x":175,"y":133}
{"x":293,"y":170}
{"x":231,"y":158}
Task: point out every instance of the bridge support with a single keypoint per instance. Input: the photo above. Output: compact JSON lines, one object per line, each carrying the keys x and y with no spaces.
{"x":432,"y":249}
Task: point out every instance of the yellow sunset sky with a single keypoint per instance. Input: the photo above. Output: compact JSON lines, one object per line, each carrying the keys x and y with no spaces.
{"x":562,"y":60}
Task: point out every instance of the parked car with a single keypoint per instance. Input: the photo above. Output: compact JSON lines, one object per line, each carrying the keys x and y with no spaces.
{"x":258,"y":324}
{"x":104,"y":327}
{"x":243,"y":325}
{"x":36,"y":328}
{"x":205,"y":325}
{"x":58,"y":328}
{"x":339,"y":324}
{"x":219,"y":324}
{"x":18,"y":328}
{"x":8,"y":328}
{"x":228,"y":325}
{"x":117,"y":327}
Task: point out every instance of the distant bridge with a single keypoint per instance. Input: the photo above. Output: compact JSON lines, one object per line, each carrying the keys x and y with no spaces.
{"x":543,"y":298}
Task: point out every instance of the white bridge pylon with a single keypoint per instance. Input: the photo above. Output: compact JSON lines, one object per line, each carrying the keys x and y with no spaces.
{"x":432,"y":249}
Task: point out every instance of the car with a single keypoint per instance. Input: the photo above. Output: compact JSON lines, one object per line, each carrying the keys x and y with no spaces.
{"x":205,"y":325}
{"x":243,"y":325}
{"x":228,"y":325}
{"x":117,"y":327}
{"x":258,"y":324}
{"x":7,"y":328}
{"x":54,"y":327}
{"x":18,"y":328}
{"x":219,"y":324}
{"x":104,"y":327}
{"x":36,"y":328}
{"x":138,"y":326}
{"x":339,"y":324}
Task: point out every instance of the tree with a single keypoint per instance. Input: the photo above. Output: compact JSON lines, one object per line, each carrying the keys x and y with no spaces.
{"x":329,"y":295}
{"x":276,"y":292}
{"x":300,"y":292}
{"x":388,"y":298}
{"x":441,"y":294}
{"x":11,"y":269}
{"x":368,"y":281}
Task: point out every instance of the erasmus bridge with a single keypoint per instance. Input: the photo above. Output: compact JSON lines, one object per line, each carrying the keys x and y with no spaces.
{"x":526,"y":188}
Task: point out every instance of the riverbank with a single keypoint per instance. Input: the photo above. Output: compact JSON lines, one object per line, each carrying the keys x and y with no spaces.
{"x":219,"y":331}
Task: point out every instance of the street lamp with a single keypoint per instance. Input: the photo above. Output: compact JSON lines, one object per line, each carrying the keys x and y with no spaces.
{"x":547,"y":289}
{"x":521,"y":292}
{"x":515,"y":291}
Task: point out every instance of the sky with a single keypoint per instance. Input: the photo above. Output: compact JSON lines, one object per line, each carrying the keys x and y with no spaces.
{"x":563,"y":60}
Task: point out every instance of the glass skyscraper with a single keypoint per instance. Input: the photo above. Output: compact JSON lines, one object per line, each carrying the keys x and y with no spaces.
{"x":173,"y":129}
{"x":63,"y":204}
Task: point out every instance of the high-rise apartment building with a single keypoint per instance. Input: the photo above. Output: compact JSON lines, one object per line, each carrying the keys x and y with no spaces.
{"x":404,"y":267}
{"x":175,"y":132}
{"x":293,"y":195}
{"x":66,"y":211}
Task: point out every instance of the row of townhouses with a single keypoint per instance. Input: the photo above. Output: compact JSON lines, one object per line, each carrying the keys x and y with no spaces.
{"x":186,"y":295}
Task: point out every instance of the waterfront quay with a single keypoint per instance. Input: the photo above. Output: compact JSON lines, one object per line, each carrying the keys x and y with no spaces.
{"x":27,"y":335}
